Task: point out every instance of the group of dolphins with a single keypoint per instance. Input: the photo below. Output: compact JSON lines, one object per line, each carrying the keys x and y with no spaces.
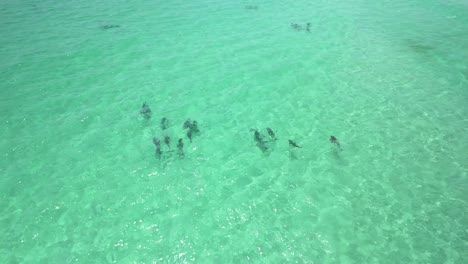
{"x":192,"y":127}
{"x":262,"y":144}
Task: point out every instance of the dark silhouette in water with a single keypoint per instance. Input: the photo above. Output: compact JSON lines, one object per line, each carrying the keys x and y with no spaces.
{"x":145,"y":111}
{"x":262,"y":146}
{"x":292,"y":155}
{"x":296,"y":26}
{"x":187,"y":124}
{"x":109,"y":26}
{"x":260,"y":143}
{"x":251,"y":7}
{"x":158,"y":152}
{"x":293,"y":144}
{"x":167,"y":140}
{"x":271,"y":133}
{"x":189,"y":135}
{"x":194,"y":127}
{"x":300,"y":27}
{"x":335,"y":141}
{"x":180,"y":147}
{"x":164,"y":123}
{"x":258,"y":136}
{"x":156,"y":142}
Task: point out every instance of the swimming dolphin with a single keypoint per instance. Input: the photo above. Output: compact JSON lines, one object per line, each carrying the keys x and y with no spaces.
{"x":251,"y":7}
{"x":293,"y":144}
{"x":261,"y":144}
{"x":335,"y":141}
{"x":257,"y":136}
{"x":308,"y":27}
{"x":187,"y":124}
{"x":158,"y":152}
{"x":296,"y":26}
{"x":156,"y":142}
{"x":189,"y":135}
{"x":271,"y":133}
{"x":180,"y":144}
{"x":180,"y":147}
{"x":145,"y":111}
{"x":167,"y":140}
{"x":109,"y":26}
{"x":194,"y":127}
{"x":164,"y":123}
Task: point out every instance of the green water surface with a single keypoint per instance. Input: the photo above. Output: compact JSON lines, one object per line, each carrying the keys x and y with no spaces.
{"x":80,"y":182}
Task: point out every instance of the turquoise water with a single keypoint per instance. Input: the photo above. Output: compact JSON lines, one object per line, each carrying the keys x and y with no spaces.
{"x":81,"y":184}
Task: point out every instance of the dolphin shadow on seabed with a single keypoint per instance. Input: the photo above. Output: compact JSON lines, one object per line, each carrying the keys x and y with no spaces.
{"x":292,"y":155}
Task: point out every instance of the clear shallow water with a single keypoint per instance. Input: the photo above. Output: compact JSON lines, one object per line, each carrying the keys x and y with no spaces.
{"x":81,"y":183}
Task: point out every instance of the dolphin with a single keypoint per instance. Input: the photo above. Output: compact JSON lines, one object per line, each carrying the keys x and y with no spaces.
{"x":164,"y":123}
{"x":251,"y":7}
{"x":156,"y":142}
{"x":109,"y":26}
{"x":167,"y":140}
{"x":145,"y":111}
{"x":296,"y":26}
{"x":271,"y":133}
{"x":189,"y":135}
{"x":194,"y":127}
{"x":293,"y":144}
{"x":180,"y":147}
{"x":180,"y":144}
{"x":158,"y":152}
{"x":258,"y":137}
{"x":335,"y":141}
{"x":187,"y":124}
